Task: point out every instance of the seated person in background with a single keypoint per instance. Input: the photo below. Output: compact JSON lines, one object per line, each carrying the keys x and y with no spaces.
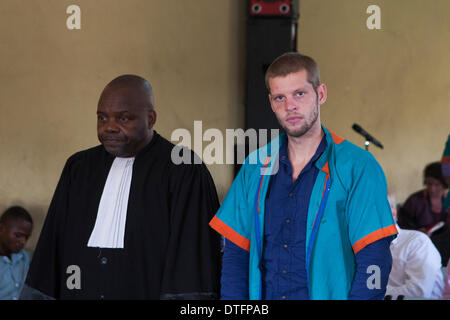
{"x":442,"y":240}
{"x":416,"y":264}
{"x":16,"y":226}
{"x":424,"y":209}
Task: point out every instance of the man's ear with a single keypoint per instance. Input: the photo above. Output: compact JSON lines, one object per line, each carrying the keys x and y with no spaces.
{"x":321,"y":93}
{"x":151,"y":118}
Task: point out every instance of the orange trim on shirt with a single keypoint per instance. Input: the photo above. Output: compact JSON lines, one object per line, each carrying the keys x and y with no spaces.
{"x":374,"y":236}
{"x":445,"y":159}
{"x":266,"y":163}
{"x":326,"y":169}
{"x":229,"y":233}
{"x":336,"y":139}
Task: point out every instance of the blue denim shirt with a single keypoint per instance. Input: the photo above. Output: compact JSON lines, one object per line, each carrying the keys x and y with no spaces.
{"x":12,"y":274}
{"x":283,"y":262}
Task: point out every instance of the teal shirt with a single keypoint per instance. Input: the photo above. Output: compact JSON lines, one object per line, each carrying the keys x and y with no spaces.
{"x":12,"y":274}
{"x":348,"y":210}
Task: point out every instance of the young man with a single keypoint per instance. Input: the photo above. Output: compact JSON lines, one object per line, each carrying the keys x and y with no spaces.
{"x":319,"y":227}
{"x":16,"y":226}
{"x":125,"y":222}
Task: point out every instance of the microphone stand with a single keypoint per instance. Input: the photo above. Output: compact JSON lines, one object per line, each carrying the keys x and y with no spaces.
{"x":367,"y":136}
{"x":367,"y":143}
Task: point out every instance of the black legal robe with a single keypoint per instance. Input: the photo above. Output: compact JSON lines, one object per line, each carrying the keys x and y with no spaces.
{"x":169,"y":251}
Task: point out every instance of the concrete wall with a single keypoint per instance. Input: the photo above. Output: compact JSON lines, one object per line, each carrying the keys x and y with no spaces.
{"x":394,"y":82}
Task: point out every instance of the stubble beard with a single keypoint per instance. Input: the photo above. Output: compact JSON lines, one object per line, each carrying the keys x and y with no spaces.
{"x":308,"y":124}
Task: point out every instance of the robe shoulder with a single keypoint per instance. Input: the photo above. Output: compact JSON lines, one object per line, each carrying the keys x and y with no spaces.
{"x":167,"y":151}
{"x":160,"y":152}
{"x":90,"y":155}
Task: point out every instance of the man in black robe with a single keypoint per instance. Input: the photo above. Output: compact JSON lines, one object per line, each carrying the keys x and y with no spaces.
{"x":132,"y":231}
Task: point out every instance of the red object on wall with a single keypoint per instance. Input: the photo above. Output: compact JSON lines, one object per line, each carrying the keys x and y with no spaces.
{"x":270,"y":7}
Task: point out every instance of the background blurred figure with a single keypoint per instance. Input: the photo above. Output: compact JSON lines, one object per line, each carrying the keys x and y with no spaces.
{"x":16,"y":226}
{"x":424,"y":208}
{"x":416,"y":264}
{"x":446,"y":173}
{"x":445,"y":163}
{"x":425,"y":211}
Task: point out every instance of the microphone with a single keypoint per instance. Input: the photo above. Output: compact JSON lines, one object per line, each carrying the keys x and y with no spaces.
{"x":366,"y":135}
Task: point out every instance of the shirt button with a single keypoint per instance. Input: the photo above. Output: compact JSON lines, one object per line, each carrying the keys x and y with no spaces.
{"x":283,"y":297}
{"x":290,"y":194}
{"x":17,"y":285}
{"x":102,"y":297}
{"x":288,"y":221}
{"x":104,"y":260}
{"x":284,"y":271}
{"x":285,"y":246}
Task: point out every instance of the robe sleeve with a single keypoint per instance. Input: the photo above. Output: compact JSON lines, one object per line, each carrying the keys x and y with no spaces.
{"x":43,"y":279}
{"x":192,"y":266}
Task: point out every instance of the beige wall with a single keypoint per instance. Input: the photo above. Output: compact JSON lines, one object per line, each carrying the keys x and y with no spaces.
{"x":51,"y":77}
{"x":394,"y":82}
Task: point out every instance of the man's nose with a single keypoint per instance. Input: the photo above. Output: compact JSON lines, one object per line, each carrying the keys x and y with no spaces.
{"x":22,"y":241}
{"x":111,"y":126}
{"x":291,"y":104}
{"x":434,"y":188}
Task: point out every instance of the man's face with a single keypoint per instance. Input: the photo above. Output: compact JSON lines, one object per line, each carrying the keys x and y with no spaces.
{"x":295,"y":103}
{"x":14,"y":234}
{"x":124,"y":121}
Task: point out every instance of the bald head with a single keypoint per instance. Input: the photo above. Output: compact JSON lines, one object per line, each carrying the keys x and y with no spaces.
{"x":137,"y":84}
{"x":125,"y":115}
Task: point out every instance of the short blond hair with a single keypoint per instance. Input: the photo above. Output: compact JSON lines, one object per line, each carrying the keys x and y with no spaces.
{"x":292,"y":62}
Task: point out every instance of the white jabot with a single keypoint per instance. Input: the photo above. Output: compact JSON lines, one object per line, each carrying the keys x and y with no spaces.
{"x":109,"y":229}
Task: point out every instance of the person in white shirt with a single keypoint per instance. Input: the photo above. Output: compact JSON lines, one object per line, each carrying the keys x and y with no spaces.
{"x":416,"y":264}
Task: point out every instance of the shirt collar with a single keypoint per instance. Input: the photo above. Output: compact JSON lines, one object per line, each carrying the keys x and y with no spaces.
{"x":15,"y":257}
{"x":324,"y":157}
{"x":284,"y":153}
